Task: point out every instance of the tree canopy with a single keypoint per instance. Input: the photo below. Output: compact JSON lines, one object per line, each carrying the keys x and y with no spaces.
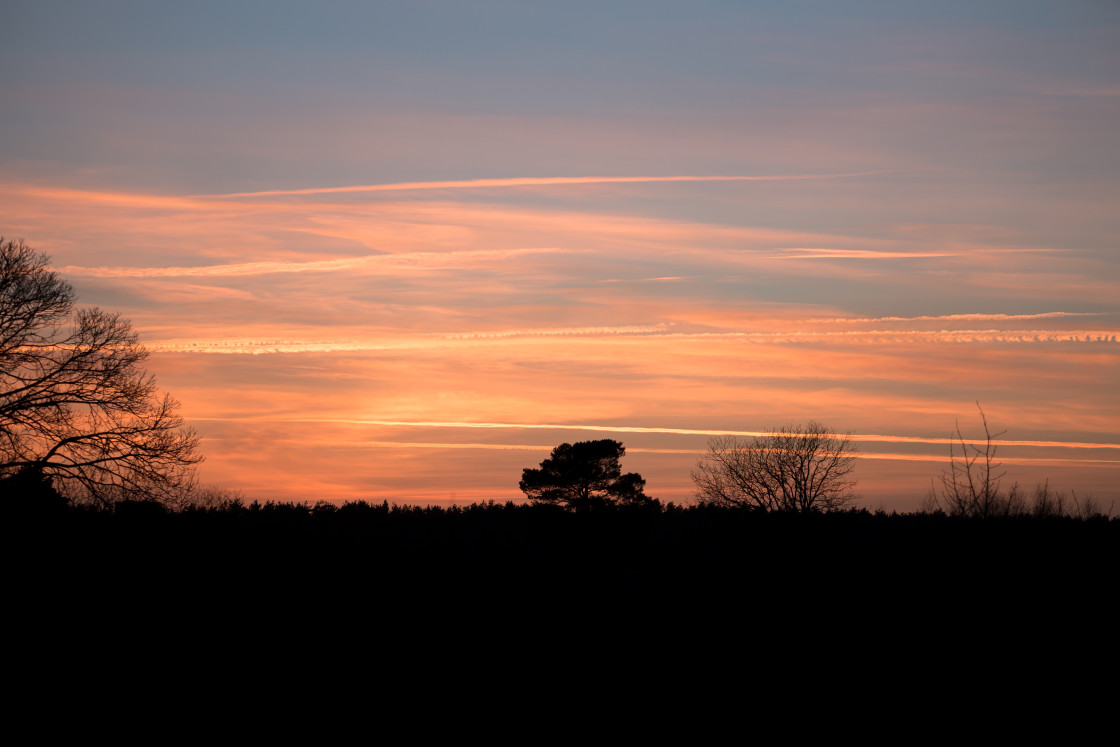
{"x":76,"y":408}
{"x":585,"y":475}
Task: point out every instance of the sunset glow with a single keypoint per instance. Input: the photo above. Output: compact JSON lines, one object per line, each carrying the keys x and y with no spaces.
{"x":396,"y":259}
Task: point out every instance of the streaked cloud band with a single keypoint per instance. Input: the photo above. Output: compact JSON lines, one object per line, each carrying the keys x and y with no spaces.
{"x":648,"y":332}
{"x":408,"y":259}
{"x":857,"y":437}
{"x":548,"y":181}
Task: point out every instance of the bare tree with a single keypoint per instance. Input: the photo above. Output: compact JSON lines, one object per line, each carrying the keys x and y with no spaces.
{"x":971,"y":484}
{"x":75,"y":405}
{"x":795,"y":468}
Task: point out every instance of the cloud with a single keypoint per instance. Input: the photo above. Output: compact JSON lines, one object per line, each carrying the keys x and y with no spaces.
{"x":817,"y":253}
{"x":186,"y":294}
{"x":535,"y":182}
{"x":962,"y":317}
{"x":649,"y":329}
{"x":652,"y":333}
{"x":856,"y":437}
{"x":459,"y":446}
{"x":888,"y":337}
{"x":822,"y":253}
{"x":113,"y":199}
{"x":401,"y":342}
{"x":667,"y":279}
{"x":419,"y":260}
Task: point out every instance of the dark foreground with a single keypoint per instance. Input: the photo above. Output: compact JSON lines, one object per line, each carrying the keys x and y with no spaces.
{"x":403,"y":560}
{"x":520,"y":604}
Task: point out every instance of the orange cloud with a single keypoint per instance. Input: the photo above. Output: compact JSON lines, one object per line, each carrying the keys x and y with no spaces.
{"x":349,"y":264}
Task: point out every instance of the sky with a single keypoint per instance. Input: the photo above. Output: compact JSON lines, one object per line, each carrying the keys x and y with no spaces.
{"x":400,"y":250}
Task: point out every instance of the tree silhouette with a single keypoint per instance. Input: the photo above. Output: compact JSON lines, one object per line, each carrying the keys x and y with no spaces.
{"x":795,"y":468}
{"x":584,"y":475}
{"x":76,"y":410}
{"x":971,"y":484}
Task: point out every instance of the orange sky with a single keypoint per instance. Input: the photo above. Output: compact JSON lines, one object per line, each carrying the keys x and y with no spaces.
{"x":405,"y":271}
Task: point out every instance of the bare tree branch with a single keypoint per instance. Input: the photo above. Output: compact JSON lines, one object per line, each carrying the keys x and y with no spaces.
{"x":795,"y":468}
{"x":75,"y":404}
{"x":971,"y":484}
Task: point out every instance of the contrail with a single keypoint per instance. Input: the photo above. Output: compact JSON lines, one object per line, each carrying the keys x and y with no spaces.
{"x":865,"y":437}
{"x":270,"y":346}
{"x":545,"y":181}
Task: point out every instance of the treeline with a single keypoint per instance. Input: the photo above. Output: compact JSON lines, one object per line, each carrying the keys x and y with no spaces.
{"x":540,"y":586}
{"x":539,"y":550}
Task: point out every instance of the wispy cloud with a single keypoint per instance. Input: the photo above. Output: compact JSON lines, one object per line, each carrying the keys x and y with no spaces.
{"x":107,"y":198}
{"x":822,"y":253}
{"x":482,"y":446}
{"x":819,"y":253}
{"x":424,"y":260}
{"x":892,"y":336}
{"x":857,"y":437}
{"x":648,"y":329}
{"x":548,"y":181}
{"x":960,"y":317}
{"x":239,"y":346}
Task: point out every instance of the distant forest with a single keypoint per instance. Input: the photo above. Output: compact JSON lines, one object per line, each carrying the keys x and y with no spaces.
{"x":543,"y":553}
